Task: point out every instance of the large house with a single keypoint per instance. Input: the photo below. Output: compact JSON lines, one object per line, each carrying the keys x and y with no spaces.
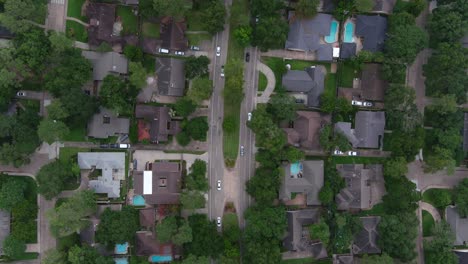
{"x":171,"y":76}
{"x":364,"y":187}
{"x":305,"y":177}
{"x":372,"y":86}
{"x":368,"y":132}
{"x":155,"y":124}
{"x":106,"y":124}
{"x":112,"y":167}
{"x":458,"y":224}
{"x":365,"y":241}
{"x":102,"y":25}
{"x":173,"y":34}
{"x":372,"y":30}
{"x":105,"y":63}
{"x":304,"y":131}
{"x":161,"y":184}
{"x":309,"y":83}
{"x":5,"y":219}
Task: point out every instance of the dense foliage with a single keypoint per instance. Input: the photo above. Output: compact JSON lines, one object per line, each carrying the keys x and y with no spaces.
{"x":118,"y":227}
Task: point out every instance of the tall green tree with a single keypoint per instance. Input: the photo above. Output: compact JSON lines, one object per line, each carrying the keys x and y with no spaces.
{"x":461,"y":198}
{"x":402,"y":113}
{"x":405,"y":42}
{"x":401,"y":196}
{"x":87,"y":255}
{"x":192,"y":200}
{"x":398,"y":234}
{"x":53,"y":256}
{"x":282,"y":107}
{"x":174,"y":8}
{"x":377,"y":259}
{"x":117,"y":227}
{"x":270,"y":33}
{"x":56,"y":110}
{"x":197,"y":128}
{"x":12,"y":247}
{"x":52,"y":130}
{"x":446,"y":25}
{"x":196,"y":179}
{"x":243,"y":35}
{"x":166,"y":229}
{"x":441,"y":158}
{"x":201,"y":89}
{"x":213,"y":17}
{"x":320,"y":231}
{"x":264,"y":185}
{"x":206,"y":241}
{"x":51,"y":178}
{"x":137,"y":74}
{"x":196,"y":66}
{"x":18,"y":14}
{"x":439,"y":249}
{"x":115,"y":94}
{"x":184,"y":107}
{"x":59,"y":42}
{"x":306,"y":8}
{"x":395,"y":167}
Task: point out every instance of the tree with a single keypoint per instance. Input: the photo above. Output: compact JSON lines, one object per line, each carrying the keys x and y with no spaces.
{"x":53,"y":256}
{"x":133,"y":53}
{"x":184,"y":107}
{"x":341,"y":142}
{"x":213,"y":17}
{"x":192,"y":200}
{"x":398,"y":234}
{"x":51,"y":178}
{"x":80,"y":107}
{"x":364,"y":6}
{"x":402,"y":113}
{"x":137,"y":74}
{"x":114,"y":94}
{"x":243,"y":35}
{"x":196,"y":179}
{"x":446,"y":25}
{"x":441,"y":198}
{"x":18,"y":14}
{"x":306,"y":8}
{"x":183,"y":235}
{"x":270,"y":33}
{"x":269,"y":136}
{"x":263,"y":8}
{"x":118,"y":227}
{"x":52,"y":130}
{"x":12,"y":247}
{"x":59,"y":42}
{"x":264,"y":185}
{"x":461,"y":198}
{"x":196,"y":66}
{"x":207,"y":241}
{"x":32,"y":48}
{"x":11,"y":194}
{"x":405,"y":42}
{"x":376,"y":259}
{"x":325,"y":137}
{"x":56,"y":110}
{"x":229,"y":124}
{"x":197,"y":128}
{"x":166,"y":229}
{"x":174,"y":8}
{"x":395,"y":167}
{"x":192,"y":259}
{"x":68,"y":217}
{"x":447,"y":104}
{"x":201,"y":89}
{"x":183,"y":138}
{"x":327,"y":102}
{"x":282,"y":107}
{"x":406,"y":144}
{"x":439,"y":249}
{"x":401,"y":196}
{"x":440,"y":159}
{"x":293,"y":154}
{"x":320,"y":231}
{"x":326,"y":194}
{"x":87,"y":255}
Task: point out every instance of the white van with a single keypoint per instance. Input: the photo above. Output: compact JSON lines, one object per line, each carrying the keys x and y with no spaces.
{"x":165,"y":51}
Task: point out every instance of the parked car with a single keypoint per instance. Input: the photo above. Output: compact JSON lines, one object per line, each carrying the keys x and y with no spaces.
{"x":135,"y":163}
{"x":222,"y":71}
{"x":358,"y":103}
{"x":194,"y":48}
{"x":299,"y":101}
{"x":218,"y":221}
{"x":249,"y":116}
{"x":121,"y":146}
{"x":164,"y":51}
{"x":180,"y":53}
{"x":337,"y":152}
{"x":242,"y":151}
{"x":247,"y":57}
{"x":368,"y":104}
{"x":21,"y":94}
{"x":218,"y":185}
{"x":218,"y":51}
{"x":352,"y":153}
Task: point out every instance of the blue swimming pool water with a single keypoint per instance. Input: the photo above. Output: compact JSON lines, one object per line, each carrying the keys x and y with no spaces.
{"x":121,"y":261}
{"x":160,"y":258}
{"x":296,"y":168}
{"x":333,"y":29}
{"x":138,"y":200}
{"x":121,"y":248}
{"x":348,"y":32}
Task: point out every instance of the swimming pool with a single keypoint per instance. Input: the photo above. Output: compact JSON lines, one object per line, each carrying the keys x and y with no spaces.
{"x":121,"y":248}
{"x":138,"y":200}
{"x":160,"y":258}
{"x":121,"y":261}
{"x":333,"y":29}
{"x":295,"y":168}
{"x":348,"y":32}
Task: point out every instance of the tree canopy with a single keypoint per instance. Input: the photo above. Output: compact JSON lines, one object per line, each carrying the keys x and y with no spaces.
{"x":461,"y":198}
{"x":11,"y":194}
{"x":264,"y":185}
{"x":52,"y":178}
{"x":282,"y":107}
{"x":439,"y":249}
{"x":196,"y":179}
{"x":87,"y":255}
{"x":197,"y":128}
{"x":184,"y":107}
{"x":116,"y":94}
{"x":398,"y":234}
{"x":13,"y":247}
{"x":52,"y":130}
{"x":213,"y":17}
{"x":117,"y":227}
{"x":196,"y":66}
{"x":206,"y":240}
{"x":201,"y":89}
{"x":306,"y":8}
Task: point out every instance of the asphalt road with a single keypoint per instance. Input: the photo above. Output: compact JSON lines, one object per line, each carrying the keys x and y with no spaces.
{"x":246,"y":163}
{"x":216,"y":198}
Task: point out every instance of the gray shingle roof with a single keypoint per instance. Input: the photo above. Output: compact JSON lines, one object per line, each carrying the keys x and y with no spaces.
{"x":373,"y":31}
{"x":458,"y":225}
{"x":369,"y":129}
{"x":347,"y":131}
{"x":171,"y":76}
{"x":105,"y":63}
{"x":310,"y":81}
{"x":365,"y":241}
{"x":465,"y":132}
{"x":308,"y":182}
{"x":112,"y":165}
{"x":372,"y":84}
{"x":348,"y":50}
{"x":98,"y":127}
{"x":4,"y":227}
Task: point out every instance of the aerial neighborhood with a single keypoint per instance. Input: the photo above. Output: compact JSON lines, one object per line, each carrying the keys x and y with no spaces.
{"x":240,"y":131}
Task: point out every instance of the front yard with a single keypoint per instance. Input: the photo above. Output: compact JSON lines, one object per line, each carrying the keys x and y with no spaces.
{"x":74,"y":9}
{"x":129,"y":19}
{"x":346,"y":74}
{"x":196,"y":39}
{"x":194,"y":21}
{"x":76,"y":31}
{"x":262,"y":82}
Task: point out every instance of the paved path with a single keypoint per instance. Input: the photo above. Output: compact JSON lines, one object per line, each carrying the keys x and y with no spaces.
{"x":81,"y":45}
{"x":270,"y":85}
{"x":143,"y":156}
{"x":32,"y":248}
{"x":78,"y":21}
{"x":56,"y":14}
{"x":289,"y":54}
{"x":440,"y":179}
{"x":430,"y":209}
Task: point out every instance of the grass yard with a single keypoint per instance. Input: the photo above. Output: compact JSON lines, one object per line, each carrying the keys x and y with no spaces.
{"x":262,"y":82}
{"x":68,"y":153}
{"x":330,"y":84}
{"x":378,"y":209}
{"x":149,"y":63}
{"x":74,"y":9}
{"x":427,"y":223}
{"x":129,"y":20}
{"x":76,"y":134}
{"x":76,"y":31}
{"x":431,"y":196}
{"x":150,"y":30}
{"x":346,"y":74}
{"x":194,"y":21}
{"x":196,"y":39}
{"x":230,"y":219}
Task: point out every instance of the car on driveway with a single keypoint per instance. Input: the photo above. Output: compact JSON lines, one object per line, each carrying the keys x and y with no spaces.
{"x":368,"y":104}
{"x":249,"y":116}
{"x":194,"y":48}
{"x":218,"y":221}
{"x":337,"y":152}
{"x":218,"y":185}
{"x":352,"y":153}
{"x":247,"y":57}
{"x":180,"y":53}
{"x":242,"y":151}
{"x":358,"y":103}
{"x":21,"y":94}
{"x":218,"y":51}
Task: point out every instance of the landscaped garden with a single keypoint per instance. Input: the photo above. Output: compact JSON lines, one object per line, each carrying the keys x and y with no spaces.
{"x":129,"y":19}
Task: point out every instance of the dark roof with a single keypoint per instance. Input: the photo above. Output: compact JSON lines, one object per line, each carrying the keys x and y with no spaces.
{"x":5,"y":33}
{"x":384,"y":6}
{"x":458,"y":225}
{"x":150,"y":45}
{"x":158,"y":121}
{"x":105,"y":124}
{"x":105,"y":63}
{"x":101,"y":23}
{"x":465,"y":132}
{"x":373,"y":31}
{"x":173,"y":34}
{"x":310,"y":81}
{"x":305,"y":130}
{"x":147,"y":244}
{"x":308,"y":181}
{"x":462,"y":256}
{"x":327,"y":5}
{"x":5,"y":218}
{"x":166,"y":180}
{"x":365,"y":241}
{"x":147,"y":217}
{"x":348,"y":50}
{"x":369,"y":129}
{"x":372,"y":85}
{"x":343,"y":259}
{"x":171,"y":76}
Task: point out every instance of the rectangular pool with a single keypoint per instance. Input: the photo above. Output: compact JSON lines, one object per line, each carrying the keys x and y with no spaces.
{"x":160,"y":258}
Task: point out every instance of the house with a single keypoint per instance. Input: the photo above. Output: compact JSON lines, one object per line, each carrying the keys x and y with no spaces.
{"x":147,"y":217}
{"x":131,"y":2}
{"x":105,"y":63}
{"x":309,"y":35}
{"x":372,"y":30}
{"x":383,"y":6}
{"x":326,"y":6}
{"x":462,"y":255}
{"x":106,"y":124}
{"x":458,"y":225}
{"x":171,"y":76}
{"x":161,"y":184}
{"x":88,"y":234}
{"x":347,"y":50}
{"x":309,"y":82}
{"x":372,"y":84}
{"x":465,"y":132}
{"x":343,"y":259}
{"x":147,"y":244}
{"x":305,"y":177}
{"x":364,"y":188}
{"x":304,"y":131}
{"x":368,"y":131}
{"x":155,"y":123}
{"x":102,"y":25}
{"x":172,"y":34}
{"x":5,"y":219}
{"x":365,"y":241}
{"x":298,"y":239}
{"x":112,"y":166}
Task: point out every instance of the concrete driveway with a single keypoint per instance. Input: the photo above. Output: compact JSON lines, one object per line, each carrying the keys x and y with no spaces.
{"x":143,"y":156}
{"x":57,"y":11}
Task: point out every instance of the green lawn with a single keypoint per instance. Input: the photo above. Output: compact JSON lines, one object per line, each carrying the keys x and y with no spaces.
{"x":194,"y":21}
{"x":427,"y":222}
{"x":330,"y":84}
{"x":69,"y":153}
{"x":230,"y":219}
{"x":149,"y":62}
{"x":76,"y":134}
{"x":430,"y":196}
{"x":129,"y":20}
{"x":347,"y":73}
{"x":74,"y":9}
{"x":378,"y":209}
{"x":196,"y":39}
{"x":262,"y":82}
{"x":150,"y":30}
{"x":76,"y":31}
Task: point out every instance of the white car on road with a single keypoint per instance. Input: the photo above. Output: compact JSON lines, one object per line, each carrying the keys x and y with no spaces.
{"x":218,"y":185}
{"x":242,"y":151}
{"x":218,"y":51}
{"x":249,"y":116}
{"x":218,"y":221}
